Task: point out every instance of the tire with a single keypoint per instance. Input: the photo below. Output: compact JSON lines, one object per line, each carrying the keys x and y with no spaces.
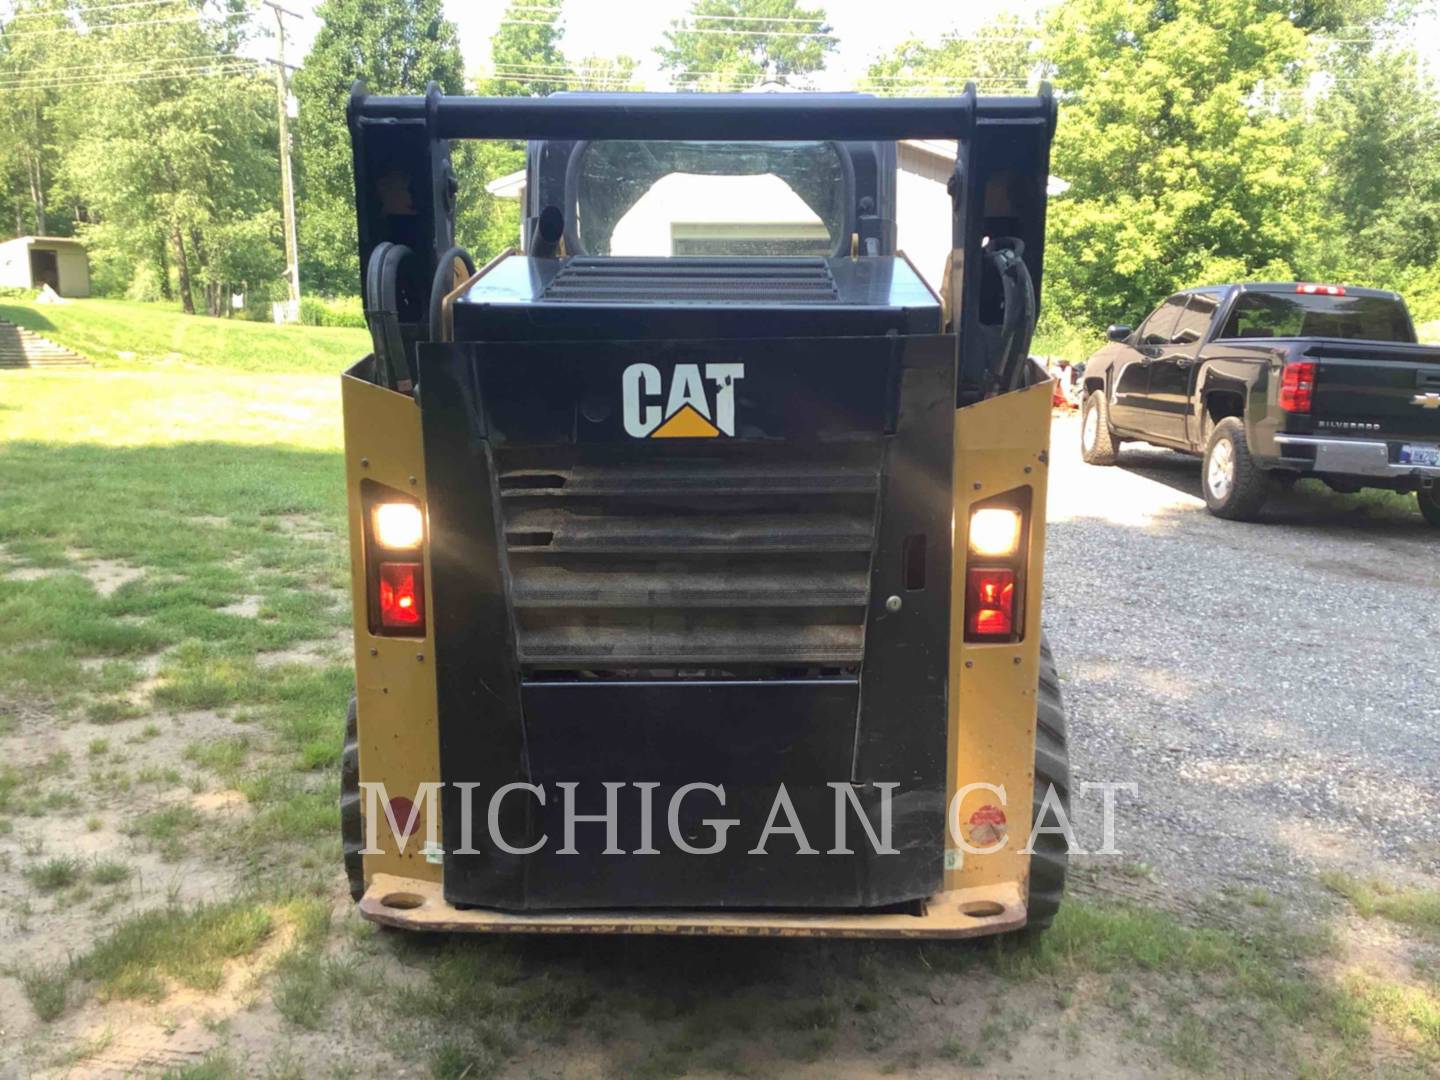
{"x":1429,"y":500}
{"x":1235,"y":487}
{"x":352,"y":829}
{"x":1051,"y":859}
{"x":1098,"y":445}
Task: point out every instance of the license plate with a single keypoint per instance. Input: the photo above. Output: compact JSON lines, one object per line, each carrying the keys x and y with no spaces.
{"x":1419,"y":454}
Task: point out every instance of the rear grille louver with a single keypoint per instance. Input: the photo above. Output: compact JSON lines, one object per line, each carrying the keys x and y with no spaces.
{"x":646,"y":281}
{"x":719,"y":564}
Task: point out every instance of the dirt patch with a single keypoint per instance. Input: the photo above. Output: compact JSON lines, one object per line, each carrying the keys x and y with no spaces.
{"x":105,"y":575}
{"x":32,"y":573}
{"x":304,"y":527}
{"x":221,"y":802}
{"x":247,"y":607}
{"x":311,"y":653}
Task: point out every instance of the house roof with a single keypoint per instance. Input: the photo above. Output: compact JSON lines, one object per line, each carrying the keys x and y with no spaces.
{"x":62,"y":240}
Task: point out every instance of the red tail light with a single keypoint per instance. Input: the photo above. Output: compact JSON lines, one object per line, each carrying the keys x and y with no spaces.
{"x":1297,"y":386}
{"x":402,"y":596}
{"x":990,"y":603}
{"x":1307,"y":289}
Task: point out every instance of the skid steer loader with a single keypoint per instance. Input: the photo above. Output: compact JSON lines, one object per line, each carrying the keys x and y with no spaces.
{"x":697,"y":543}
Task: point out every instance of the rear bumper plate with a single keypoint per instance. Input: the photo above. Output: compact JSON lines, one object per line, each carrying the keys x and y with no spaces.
{"x":1355,"y":457}
{"x":411,"y":904}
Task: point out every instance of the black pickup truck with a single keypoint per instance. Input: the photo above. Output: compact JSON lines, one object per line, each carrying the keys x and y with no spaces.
{"x":1271,"y":383}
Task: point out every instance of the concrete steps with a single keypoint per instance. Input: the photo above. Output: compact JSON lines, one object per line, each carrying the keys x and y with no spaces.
{"x":21,"y":348}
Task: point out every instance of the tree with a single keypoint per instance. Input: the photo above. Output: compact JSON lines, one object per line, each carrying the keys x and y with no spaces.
{"x":1000,"y":58}
{"x":730,"y":44}
{"x":1379,"y":132}
{"x":611,"y":74}
{"x":397,"y":47}
{"x":33,"y":42}
{"x":525,"y":53}
{"x":175,"y":152}
{"x":1183,"y":138}
{"x":526,"y":61}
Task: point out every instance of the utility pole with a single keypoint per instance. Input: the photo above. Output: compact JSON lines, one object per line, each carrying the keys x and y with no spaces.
{"x":287,"y":184}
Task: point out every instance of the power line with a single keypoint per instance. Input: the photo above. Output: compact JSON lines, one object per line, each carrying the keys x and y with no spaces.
{"x":86,"y":29}
{"x":237,"y":66}
{"x":90,"y":65}
{"x":789,"y":19}
{"x":101,"y":79}
{"x":539,"y":10}
{"x":698,"y":30}
{"x":64,"y":13}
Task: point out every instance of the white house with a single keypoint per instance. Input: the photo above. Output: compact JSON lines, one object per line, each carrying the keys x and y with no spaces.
{"x":28,"y":262}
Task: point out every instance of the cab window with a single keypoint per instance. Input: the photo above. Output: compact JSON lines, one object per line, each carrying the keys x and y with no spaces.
{"x":1194,"y":321}
{"x":1156,"y":329}
{"x":693,"y":198}
{"x":1259,"y":313}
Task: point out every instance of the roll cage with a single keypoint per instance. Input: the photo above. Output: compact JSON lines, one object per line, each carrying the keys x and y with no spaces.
{"x":406,"y":187}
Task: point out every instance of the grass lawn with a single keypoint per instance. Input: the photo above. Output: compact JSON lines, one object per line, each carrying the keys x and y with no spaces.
{"x":119,"y":332}
{"x":173,"y":675}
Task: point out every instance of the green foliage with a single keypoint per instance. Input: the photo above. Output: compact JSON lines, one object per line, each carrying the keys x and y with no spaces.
{"x":614,"y":74}
{"x":337,"y":311}
{"x":1184,"y":147}
{"x":396,"y":47}
{"x":1000,"y":58}
{"x":730,"y":44}
{"x":525,"y":55}
{"x":176,"y":156}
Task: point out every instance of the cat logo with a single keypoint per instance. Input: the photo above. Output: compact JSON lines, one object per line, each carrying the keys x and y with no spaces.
{"x":696,"y":407}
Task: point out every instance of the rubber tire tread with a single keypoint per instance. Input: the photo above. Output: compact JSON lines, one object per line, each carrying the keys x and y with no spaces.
{"x":1051,"y":859}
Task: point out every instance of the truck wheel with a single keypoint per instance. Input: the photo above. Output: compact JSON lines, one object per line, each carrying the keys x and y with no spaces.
{"x":1051,"y":859}
{"x":352,"y":829}
{"x":1235,"y":487}
{"x":1429,"y":499}
{"x":1097,"y":442}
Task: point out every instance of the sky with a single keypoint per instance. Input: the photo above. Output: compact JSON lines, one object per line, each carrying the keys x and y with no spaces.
{"x":634,"y":27}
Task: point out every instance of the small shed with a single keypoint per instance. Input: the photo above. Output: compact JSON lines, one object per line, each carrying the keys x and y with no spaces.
{"x":29,"y":262}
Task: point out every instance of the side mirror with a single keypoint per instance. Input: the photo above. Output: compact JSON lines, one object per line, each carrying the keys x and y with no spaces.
{"x":1118,"y":332}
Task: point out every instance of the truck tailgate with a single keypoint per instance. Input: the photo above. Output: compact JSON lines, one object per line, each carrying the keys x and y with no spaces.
{"x":1373,"y":387}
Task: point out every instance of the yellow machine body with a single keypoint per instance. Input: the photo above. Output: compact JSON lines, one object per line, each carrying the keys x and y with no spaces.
{"x":1001,"y":444}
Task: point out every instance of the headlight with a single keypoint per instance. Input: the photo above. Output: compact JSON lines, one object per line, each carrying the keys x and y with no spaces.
{"x":995,"y":532}
{"x":398,"y":526}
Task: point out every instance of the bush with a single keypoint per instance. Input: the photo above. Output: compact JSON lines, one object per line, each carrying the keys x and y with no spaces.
{"x":145,"y":285}
{"x":339,"y":311}
{"x":1057,"y":338}
{"x":11,"y":292}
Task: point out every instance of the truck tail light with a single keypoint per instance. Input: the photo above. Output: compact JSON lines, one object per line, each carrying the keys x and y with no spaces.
{"x":990,"y":603}
{"x":402,"y":595}
{"x":1297,"y":386}
{"x":1307,"y":289}
{"x":997,"y":553}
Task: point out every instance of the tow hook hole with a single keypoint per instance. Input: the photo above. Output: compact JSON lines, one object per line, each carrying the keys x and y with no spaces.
{"x":402,"y":901}
{"x":982,"y":909}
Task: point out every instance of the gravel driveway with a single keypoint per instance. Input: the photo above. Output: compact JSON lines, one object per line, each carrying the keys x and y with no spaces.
{"x":1273,"y":688}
